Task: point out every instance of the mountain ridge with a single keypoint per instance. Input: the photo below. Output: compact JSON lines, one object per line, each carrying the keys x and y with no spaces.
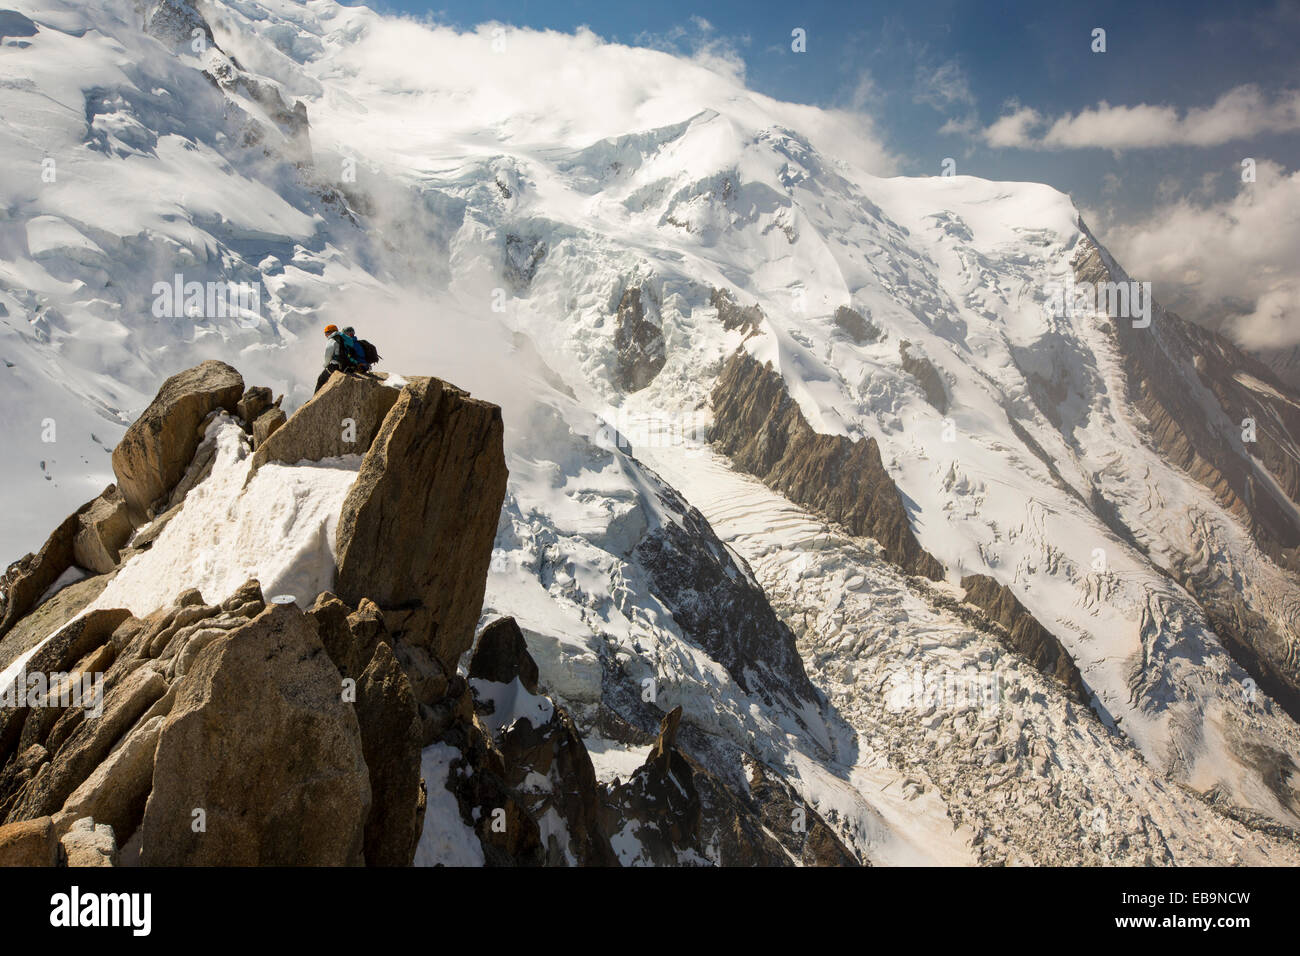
{"x":1083,"y":463}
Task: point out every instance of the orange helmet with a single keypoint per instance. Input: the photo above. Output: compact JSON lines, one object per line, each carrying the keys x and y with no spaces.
{"x":331,"y":329}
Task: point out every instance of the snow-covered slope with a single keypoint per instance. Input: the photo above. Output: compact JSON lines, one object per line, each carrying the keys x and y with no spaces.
{"x":483,"y":206}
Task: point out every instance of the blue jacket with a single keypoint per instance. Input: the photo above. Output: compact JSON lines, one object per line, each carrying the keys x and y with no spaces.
{"x":342,"y":351}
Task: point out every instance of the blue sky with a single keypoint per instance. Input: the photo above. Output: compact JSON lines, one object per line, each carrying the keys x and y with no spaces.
{"x":1013,"y":91}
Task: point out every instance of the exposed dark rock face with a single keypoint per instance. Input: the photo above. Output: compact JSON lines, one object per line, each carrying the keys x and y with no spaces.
{"x":1248,"y":636}
{"x":760,"y":427}
{"x":497,"y":777}
{"x":436,"y":464}
{"x":733,"y":316}
{"x":523,"y":256}
{"x":15,"y":24}
{"x":718,"y":604}
{"x":639,"y":343}
{"x":1176,"y":371}
{"x":502,"y":655}
{"x":289,"y":116}
{"x":675,"y":810}
{"x":174,"y":21}
{"x":391,"y":739}
{"x":1023,"y":633}
{"x":157,"y":449}
{"x":1196,"y":390}
{"x":177,"y":23}
{"x":920,"y":368}
{"x":804,"y":834}
{"x":681,"y":814}
{"x":855,"y":326}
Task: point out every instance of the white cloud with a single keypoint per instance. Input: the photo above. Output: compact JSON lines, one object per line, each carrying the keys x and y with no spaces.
{"x":1229,"y":264}
{"x":1013,"y":128}
{"x":701,"y":42}
{"x":959,"y":127}
{"x":866,"y":93}
{"x":1240,"y":113}
{"x":944,"y":86}
{"x":497,"y":91}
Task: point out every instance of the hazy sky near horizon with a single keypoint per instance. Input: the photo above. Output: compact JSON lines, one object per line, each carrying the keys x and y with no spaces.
{"x":1149,"y":137}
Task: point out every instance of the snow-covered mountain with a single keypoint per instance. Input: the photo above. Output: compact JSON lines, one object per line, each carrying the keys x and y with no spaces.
{"x":836,"y":463}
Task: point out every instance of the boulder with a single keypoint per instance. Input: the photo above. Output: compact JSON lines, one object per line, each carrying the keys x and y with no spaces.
{"x":266,"y":425}
{"x":103,"y":532}
{"x":260,"y":741}
{"x":157,"y":449}
{"x":27,"y":579}
{"x":415,"y":532}
{"x":341,"y":419}
{"x":29,"y":843}
{"x":88,"y":843}
{"x":255,"y":401}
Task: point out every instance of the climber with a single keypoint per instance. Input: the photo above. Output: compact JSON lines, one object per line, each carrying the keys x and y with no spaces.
{"x":339,"y":355}
{"x":346,"y":353}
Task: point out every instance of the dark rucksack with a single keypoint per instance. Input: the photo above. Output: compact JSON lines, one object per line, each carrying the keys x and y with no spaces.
{"x":370,"y":354}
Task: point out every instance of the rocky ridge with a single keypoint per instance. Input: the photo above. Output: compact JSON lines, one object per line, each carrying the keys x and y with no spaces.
{"x":252,"y":731}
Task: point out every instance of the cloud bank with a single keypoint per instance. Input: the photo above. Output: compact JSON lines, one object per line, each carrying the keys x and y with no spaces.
{"x":1242,"y":112}
{"x":1230,"y":264}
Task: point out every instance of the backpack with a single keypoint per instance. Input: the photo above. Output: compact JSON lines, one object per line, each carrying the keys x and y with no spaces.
{"x":369,"y":354}
{"x":347,"y":351}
